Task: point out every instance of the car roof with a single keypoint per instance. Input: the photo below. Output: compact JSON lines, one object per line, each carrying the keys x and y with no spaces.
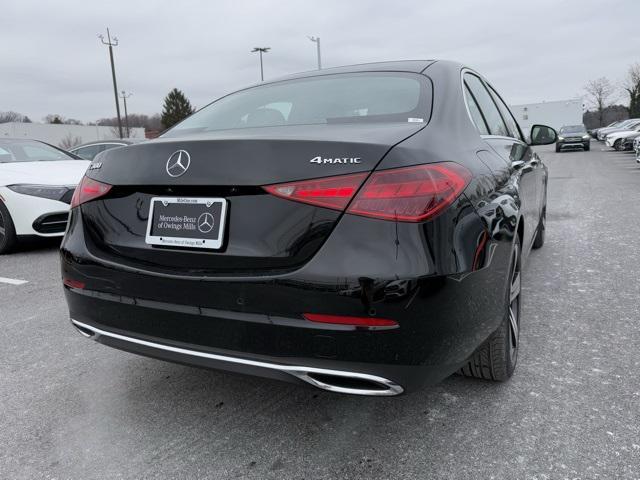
{"x":12,"y":140}
{"x":119,"y":141}
{"x":413,"y":66}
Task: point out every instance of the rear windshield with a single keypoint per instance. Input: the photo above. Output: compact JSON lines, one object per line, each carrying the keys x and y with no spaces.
{"x":573,"y":129}
{"x":31,"y":151}
{"x":327,"y":99}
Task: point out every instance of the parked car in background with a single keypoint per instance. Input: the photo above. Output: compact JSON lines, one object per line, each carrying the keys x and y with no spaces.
{"x":573,"y":136}
{"x":594,"y":131}
{"x":90,"y":149}
{"x":37,"y":181}
{"x":360,"y":229}
{"x":627,"y":143}
{"x":616,"y":139}
{"x":625,"y":125}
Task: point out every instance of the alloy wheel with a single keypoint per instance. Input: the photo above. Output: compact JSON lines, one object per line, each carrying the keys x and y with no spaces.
{"x":514,"y":304}
{"x":3,"y":227}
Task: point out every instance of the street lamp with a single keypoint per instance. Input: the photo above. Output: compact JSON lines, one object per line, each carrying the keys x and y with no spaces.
{"x":113,"y":43}
{"x":261,"y":50}
{"x":316,"y":40}
{"x":126,"y":95}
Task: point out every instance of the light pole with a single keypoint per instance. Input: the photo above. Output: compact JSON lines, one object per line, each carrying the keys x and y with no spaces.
{"x":261,"y":50}
{"x":316,"y":40}
{"x":112,"y":44}
{"x":126,"y":115}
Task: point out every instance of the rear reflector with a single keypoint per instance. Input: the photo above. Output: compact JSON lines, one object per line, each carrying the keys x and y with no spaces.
{"x":89,"y":189}
{"x":329,"y":192}
{"x":73,"y":283}
{"x":411,"y":194}
{"x":355,"y":321}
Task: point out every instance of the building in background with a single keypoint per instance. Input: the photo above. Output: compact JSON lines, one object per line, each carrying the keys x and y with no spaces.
{"x":63,"y":135}
{"x":554,"y":114}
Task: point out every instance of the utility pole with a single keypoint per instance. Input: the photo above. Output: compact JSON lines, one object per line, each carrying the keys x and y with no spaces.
{"x":316,"y":40}
{"x":261,"y":50}
{"x":126,"y":115}
{"x":112,"y":44}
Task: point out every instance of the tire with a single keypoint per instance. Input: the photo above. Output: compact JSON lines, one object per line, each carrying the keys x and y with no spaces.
{"x":496,"y":359}
{"x":557,"y":148}
{"x":8,"y":237}
{"x":617,"y":144}
{"x":538,"y":242}
{"x":587,"y":148}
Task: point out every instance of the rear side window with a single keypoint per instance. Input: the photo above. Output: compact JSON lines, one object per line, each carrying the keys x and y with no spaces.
{"x":476,"y":114}
{"x":326,"y":99}
{"x":487,"y":106}
{"x":512,"y":125}
{"x":88,"y":152}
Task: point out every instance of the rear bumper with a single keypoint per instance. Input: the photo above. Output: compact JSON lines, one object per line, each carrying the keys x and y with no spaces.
{"x":445,"y":307}
{"x":325,"y":378}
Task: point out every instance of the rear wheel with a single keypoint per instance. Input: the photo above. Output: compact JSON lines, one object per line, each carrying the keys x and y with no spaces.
{"x":7,"y":230}
{"x":496,"y":358}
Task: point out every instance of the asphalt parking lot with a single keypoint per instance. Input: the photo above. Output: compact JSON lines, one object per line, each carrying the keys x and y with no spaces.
{"x":75,"y":409}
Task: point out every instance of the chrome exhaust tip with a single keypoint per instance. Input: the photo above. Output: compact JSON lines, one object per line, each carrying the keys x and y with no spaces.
{"x":85,"y":332}
{"x":348,"y":382}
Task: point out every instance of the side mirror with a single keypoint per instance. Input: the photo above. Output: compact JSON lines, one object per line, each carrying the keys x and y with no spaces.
{"x":542,"y":135}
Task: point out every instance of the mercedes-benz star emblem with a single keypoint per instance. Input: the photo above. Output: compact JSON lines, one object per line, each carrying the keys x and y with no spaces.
{"x":205,"y":222}
{"x":178,"y":163}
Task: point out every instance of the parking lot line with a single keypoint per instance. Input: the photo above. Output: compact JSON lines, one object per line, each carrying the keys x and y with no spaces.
{"x":12,"y":281}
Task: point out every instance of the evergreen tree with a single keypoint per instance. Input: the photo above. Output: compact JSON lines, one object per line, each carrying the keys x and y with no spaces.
{"x":176,"y":107}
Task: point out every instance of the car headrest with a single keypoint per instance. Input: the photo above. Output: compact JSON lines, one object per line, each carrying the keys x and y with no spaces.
{"x":264,"y":117}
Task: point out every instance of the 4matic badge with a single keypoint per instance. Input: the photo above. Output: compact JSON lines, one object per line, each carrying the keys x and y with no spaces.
{"x":320,"y":160}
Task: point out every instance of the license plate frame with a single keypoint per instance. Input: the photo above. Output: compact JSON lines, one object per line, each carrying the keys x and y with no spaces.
{"x":210,"y":236}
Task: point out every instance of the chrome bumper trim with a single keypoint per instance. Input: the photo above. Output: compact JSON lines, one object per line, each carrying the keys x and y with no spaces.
{"x":388,"y":387}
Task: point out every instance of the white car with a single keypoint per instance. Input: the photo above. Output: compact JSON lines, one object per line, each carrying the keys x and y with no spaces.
{"x":615,"y":139}
{"x":37,"y":182}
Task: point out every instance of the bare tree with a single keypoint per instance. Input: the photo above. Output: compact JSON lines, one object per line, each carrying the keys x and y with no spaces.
{"x":632,"y":87}
{"x":6,"y":117}
{"x":54,"y":118}
{"x":599,"y":93}
{"x":69,"y":141}
{"x":149,"y":122}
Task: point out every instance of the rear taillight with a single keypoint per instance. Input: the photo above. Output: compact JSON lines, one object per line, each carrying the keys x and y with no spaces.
{"x":408,"y":194}
{"x":329,"y":192}
{"x":411,"y":194}
{"x":88,"y":189}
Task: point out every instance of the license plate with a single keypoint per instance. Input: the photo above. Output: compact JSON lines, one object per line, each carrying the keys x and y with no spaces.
{"x":186,"y":222}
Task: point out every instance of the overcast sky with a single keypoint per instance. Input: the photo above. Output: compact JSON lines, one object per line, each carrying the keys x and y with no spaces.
{"x":51,"y":60}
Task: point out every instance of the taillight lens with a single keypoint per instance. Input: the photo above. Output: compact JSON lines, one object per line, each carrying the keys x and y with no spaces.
{"x":407,"y":194}
{"x":88,"y":189}
{"x":411,"y":194}
{"x":329,"y":192}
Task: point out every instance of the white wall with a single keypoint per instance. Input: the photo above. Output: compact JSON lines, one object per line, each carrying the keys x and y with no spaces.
{"x":554,"y":114}
{"x":54,"y":134}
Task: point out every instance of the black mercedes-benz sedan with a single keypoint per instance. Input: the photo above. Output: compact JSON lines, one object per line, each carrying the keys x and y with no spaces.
{"x":361,"y":229}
